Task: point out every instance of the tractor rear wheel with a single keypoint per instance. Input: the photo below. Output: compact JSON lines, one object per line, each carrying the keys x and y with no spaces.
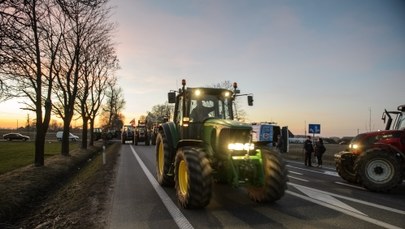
{"x":275,"y":179}
{"x":164,"y":160}
{"x":378,"y":170}
{"x":193,"y":178}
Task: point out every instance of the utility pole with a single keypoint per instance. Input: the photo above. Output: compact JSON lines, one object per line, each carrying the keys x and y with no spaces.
{"x":369,"y":121}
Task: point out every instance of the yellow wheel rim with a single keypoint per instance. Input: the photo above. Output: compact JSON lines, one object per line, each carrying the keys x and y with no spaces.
{"x":161,"y":158}
{"x":183,"y":177}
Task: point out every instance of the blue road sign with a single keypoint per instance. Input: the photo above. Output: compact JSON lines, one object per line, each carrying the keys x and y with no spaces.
{"x":314,"y":128}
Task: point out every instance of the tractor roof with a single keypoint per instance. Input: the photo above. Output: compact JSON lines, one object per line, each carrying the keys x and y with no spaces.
{"x":209,"y":90}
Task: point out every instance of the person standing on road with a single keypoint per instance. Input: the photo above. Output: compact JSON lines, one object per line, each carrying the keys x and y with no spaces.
{"x":280,"y":144}
{"x":319,"y":151}
{"x":308,"y":149}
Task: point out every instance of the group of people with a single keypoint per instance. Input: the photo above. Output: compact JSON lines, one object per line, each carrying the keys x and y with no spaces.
{"x":318,"y":151}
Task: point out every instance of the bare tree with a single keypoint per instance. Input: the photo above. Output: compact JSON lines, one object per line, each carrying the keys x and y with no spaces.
{"x":81,"y":18}
{"x":111,"y":117}
{"x":158,"y":114}
{"x":29,"y":45}
{"x":99,"y":64}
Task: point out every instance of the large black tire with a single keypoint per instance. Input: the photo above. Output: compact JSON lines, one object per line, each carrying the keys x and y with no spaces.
{"x":345,"y":171}
{"x":275,"y":179}
{"x":147,"y":141}
{"x":193,"y":178}
{"x":378,"y":170}
{"x":164,"y":162}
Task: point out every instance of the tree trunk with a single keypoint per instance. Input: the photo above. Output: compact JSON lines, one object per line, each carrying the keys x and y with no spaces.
{"x":91,"y":143}
{"x":39,"y":145}
{"x":65,"y":138}
{"x":84,"y":132}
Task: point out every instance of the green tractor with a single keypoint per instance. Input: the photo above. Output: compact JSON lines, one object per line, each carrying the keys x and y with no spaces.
{"x":204,"y":144}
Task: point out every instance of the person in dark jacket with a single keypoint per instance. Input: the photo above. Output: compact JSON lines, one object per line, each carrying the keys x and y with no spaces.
{"x":319,"y":151}
{"x":308,"y":150}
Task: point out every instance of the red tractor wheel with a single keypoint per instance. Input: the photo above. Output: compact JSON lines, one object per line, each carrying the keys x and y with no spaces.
{"x":378,"y":170}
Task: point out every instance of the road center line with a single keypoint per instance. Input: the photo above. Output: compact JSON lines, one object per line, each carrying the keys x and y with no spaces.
{"x":349,"y":185}
{"x":174,"y":211}
{"x":297,"y":178}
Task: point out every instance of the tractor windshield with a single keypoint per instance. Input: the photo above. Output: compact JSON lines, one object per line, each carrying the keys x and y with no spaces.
{"x":401,"y":122}
{"x":206,"y":106}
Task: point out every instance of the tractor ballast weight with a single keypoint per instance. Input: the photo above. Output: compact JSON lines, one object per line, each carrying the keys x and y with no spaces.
{"x":203,"y":145}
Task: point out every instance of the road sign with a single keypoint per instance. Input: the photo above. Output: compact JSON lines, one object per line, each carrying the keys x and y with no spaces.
{"x":314,"y":128}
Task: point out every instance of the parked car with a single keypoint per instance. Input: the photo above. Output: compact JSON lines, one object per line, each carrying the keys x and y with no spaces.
{"x":72,"y":137}
{"x":15,"y":136}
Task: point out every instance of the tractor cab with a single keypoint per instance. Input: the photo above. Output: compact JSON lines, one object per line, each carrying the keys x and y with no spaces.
{"x":194,"y":106}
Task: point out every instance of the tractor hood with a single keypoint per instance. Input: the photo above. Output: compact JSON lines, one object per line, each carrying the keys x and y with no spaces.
{"x":364,"y":141}
{"x":222,"y":132}
{"x":225,"y":123}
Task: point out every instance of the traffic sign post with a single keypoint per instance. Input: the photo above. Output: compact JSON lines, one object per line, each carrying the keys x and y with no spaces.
{"x":314,"y":129}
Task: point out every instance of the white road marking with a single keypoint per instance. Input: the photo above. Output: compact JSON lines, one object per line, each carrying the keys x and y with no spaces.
{"x":295,"y":173}
{"x":353,"y":200}
{"x":316,"y":170}
{"x":350,"y":185}
{"x":297,"y":178}
{"x":315,"y":194}
{"x":174,"y":211}
{"x":335,"y":174}
{"x":308,"y":170}
{"x":353,"y":214}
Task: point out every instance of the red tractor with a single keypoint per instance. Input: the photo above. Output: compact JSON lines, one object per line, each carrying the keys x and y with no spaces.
{"x":376,"y":160}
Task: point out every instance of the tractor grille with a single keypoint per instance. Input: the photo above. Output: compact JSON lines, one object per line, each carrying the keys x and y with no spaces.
{"x":227,"y":136}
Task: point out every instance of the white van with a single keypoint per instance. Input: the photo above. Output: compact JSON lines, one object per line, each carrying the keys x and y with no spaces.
{"x":72,"y":137}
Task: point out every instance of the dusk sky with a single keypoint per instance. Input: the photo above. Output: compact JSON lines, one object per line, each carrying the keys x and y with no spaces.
{"x":314,"y":61}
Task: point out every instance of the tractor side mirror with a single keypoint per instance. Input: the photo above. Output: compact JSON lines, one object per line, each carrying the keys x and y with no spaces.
{"x":172,"y":97}
{"x":250,"y":100}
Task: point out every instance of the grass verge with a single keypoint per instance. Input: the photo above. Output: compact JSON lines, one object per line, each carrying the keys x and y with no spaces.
{"x":25,"y":188}
{"x":17,"y":154}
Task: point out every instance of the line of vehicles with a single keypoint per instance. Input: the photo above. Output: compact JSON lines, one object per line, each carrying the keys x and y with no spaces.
{"x":138,"y":134}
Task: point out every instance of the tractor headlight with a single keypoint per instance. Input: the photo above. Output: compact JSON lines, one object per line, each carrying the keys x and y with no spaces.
{"x":241,"y":146}
{"x":354,"y":146}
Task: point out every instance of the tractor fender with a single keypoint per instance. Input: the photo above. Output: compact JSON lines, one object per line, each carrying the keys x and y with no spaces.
{"x":190,"y":142}
{"x":387,"y":147}
{"x":171,"y":133}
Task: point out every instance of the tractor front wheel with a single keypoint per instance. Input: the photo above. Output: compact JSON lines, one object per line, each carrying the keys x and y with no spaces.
{"x":193,"y":178}
{"x":378,"y":170}
{"x":345,"y":171}
{"x":164,"y":161}
{"x":275,"y":179}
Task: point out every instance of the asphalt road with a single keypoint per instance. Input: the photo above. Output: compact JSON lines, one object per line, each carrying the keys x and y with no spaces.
{"x":316,"y":198}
